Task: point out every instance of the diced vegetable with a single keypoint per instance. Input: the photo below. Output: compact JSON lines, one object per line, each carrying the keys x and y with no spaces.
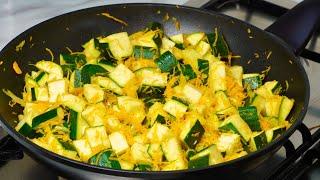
{"x":258,"y":141}
{"x":229,"y":143}
{"x":203,"y":48}
{"x":195,"y":38}
{"x":272,"y":106}
{"x":273,"y":86}
{"x":56,"y":88}
{"x":54,"y":70}
{"x":192,"y":94}
{"x":191,"y":133}
{"x":51,"y":114}
{"x":187,"y":71}
{"x":252,"y":81}
{"x":89,"y":70}
{"x":235,"y":124}
{"x":217,"y":75}
{"x":91,"y":50}
{"x":93,"y":93}
{"x":166,"y":62}
{"x":205,"y":157}
{"x":97,"y":138}
{"x":250,"y":115}
{"x":237,"y":74}
{"x":175,"y":107}
{"x":144,"y":52}
{"x":73,"y":102}
{"x":139,"y":153}
{"x":118,"y":143}
{"x":105,"y":159}
{"x":108,"y":84}
{"x":172,"y":149}
{"x":150,"y":77}
{"x":119,"y":44}
{"x":121,"y":75}
{"x":158,"y":132}
{"x":77,"y":125}
{"x":273,"y":133}
{"x":285,"y":108}
{"x":83,"y":148}
{"x":133,"y":107}
{"x":218,"y":44}
{"x":222,"y":101}
{"x":94,"y":114}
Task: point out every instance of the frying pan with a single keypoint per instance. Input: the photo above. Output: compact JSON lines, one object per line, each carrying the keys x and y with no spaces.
{"x":285,"y":39}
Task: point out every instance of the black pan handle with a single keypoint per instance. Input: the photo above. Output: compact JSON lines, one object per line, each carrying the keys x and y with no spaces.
{"x":298,"y":24}
{"x":10,"y":149}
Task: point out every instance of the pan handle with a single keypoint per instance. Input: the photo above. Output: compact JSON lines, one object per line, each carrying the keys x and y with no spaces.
{"x":9,"y":149}
{"x":298,"y":24}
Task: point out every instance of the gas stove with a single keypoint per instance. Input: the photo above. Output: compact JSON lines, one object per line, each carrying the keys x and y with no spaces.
{"x":297,"y":159}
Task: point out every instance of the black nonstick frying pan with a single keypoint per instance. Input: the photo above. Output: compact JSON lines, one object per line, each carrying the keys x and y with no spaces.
{"x":285,"y":38}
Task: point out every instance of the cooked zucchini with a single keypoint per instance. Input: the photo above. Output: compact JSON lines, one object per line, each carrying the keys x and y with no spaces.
{"x":250,"y":115}
{"x":144,"y":52}
{"x":121,"y":75}
{"x":77,"y":125}
{"x":258,"y":141}
{"x":118,"y":143}
{"x":252,"y":81}
{"x":273,"y":133}
{"x":166,"y":62}
{"x":151,"y":102}
{"x":191,"y":133}
{"x":108,"y":84}
{"x":235,"y":124}
{"x":50,"y":114}
{"x":175,"y":107}
{"x":285,"y":108}
{"x":206,"y":157}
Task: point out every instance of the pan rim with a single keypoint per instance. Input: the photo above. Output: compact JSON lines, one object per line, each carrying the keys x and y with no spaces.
{"x":109,"y":171}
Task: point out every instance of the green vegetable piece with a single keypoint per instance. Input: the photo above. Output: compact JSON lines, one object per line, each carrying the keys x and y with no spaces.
{"x":143,"y":167}
{"x":166,"y":62}
{"x":105,"y":160}
{"x":187,"y":71}
{"x":144,"y":52}
{"x":36,"y":121}
{"x":78,"y":59}
{"x":250,"y":115}
{"x":90,"y":70}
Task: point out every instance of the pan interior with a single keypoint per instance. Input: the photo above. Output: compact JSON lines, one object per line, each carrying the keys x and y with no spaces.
{"x":73,"y":29}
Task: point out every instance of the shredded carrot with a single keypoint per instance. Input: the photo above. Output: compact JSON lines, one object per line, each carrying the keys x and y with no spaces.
{"x":70,"y":51}
{"x":176,"y":23}
{"x":16,"y":68}
{"x":114,"y":18}
{"x":166,"y":17}
{"x":51,"y":54}
{"x":269,"y":54}
{"x":20,"y":45}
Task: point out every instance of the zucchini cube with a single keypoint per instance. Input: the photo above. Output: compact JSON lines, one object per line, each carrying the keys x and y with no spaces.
{"x":191,"y":133}
{"x":118,"y":143}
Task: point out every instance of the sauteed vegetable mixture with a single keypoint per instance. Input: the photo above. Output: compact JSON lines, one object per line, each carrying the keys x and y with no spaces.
{"x":148,"y":101}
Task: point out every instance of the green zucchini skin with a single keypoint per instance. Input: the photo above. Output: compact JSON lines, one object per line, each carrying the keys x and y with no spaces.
{"x":144,"y":52}
{"x":194,"y":135}
{"x":253,"y":82}
{"x":90,"y":70}
{"x":104,"y":160}
{"x":166,"y":62}
{"x":250,"y":115}
{"x":36,"y":121}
